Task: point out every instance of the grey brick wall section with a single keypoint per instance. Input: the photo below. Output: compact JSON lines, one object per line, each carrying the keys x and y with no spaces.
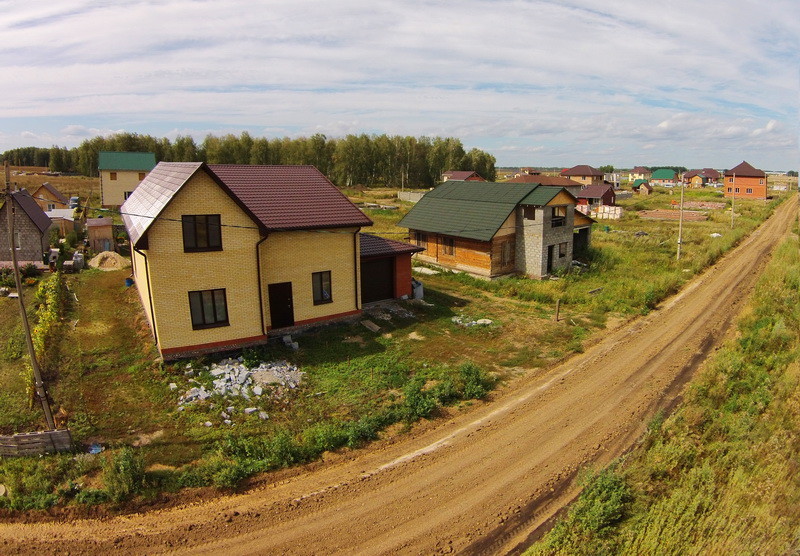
{"x":534,"y":237}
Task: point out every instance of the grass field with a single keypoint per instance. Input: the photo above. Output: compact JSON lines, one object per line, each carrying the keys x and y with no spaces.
{"x":719,"y":476}
{"x":110,"y":388}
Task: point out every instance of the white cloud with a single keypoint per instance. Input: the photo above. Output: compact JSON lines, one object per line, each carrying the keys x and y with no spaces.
{"x":577,"y":79}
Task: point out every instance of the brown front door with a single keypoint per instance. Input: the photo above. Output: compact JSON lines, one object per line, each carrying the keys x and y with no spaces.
{"x":281,"y":308}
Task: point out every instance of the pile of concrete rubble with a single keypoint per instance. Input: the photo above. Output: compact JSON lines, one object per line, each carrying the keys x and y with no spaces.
{"x":232,"y":378}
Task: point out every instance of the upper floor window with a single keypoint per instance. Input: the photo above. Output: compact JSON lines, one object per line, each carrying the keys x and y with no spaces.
{"x":559,"y":216}
{"x":529,"y":213}
{"x":201,"y":232}
{"x":141,"y":176}
{"x":113,"y":176}
{"x":321,"y":287}
{"x":761,"y":182}
{"x":730,"y":179}
{"x":51,"y":206}
{"x":127,"y":194}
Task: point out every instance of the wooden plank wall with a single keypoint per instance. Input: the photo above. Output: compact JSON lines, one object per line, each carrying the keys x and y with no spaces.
{"x":36,"y":443}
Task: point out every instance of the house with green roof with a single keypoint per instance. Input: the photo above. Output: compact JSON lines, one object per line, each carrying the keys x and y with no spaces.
{"x":120,"y":173}
{"x":663,"y":176}
{"x":492,"y":229}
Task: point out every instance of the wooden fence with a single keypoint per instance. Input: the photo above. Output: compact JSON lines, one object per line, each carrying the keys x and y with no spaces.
{"x":35,"y":443}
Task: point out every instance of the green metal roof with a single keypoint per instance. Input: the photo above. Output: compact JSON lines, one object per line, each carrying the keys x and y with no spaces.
{"x":142,"y":162}
{"x":473,"y":210}
{"x":637,"y":183}
{"x":663,"y":174}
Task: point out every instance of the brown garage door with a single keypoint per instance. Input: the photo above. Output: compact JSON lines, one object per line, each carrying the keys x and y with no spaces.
{"x":377,"y":279}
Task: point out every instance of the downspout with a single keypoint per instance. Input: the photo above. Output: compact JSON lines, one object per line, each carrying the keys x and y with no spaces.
{"x":356,"y":254}
{"x":260,"y":293}
{"x":149,"y":294}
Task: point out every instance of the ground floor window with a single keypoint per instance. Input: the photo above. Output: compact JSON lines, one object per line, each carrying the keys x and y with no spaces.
{"x":448,"y":246}
{"x":127,"y":194}
{"x":749,"y":190}
{"x":321,"y":286}
{"x":209,"y":308}
{"x":421,"y":239}
{"x":562,"y":249}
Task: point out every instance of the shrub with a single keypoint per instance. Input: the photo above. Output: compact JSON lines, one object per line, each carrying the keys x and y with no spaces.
{"x":476,"y":382}
{"x":417,"y":404}
{"x":124,"y":475}
{"x":92,"y":496}
{"x":30,"y":270}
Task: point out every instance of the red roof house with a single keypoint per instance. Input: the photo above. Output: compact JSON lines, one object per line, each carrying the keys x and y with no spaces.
{"x":584,"y":174}
{"x":745,"y":181}
{"x":462,"y":175}
{"x":225,"y":254}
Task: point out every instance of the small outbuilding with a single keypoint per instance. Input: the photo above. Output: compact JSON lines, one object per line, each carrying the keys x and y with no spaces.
{"x":385,"y":268}
{"x":100,"y":233}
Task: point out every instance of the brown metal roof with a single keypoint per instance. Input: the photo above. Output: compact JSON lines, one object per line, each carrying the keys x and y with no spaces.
{"x":32,"y":209}
{"x":559,"y":181}
{"x":746,"y":170}
{"x":593,"y":192}
{"x":460,"y":175}
{"x":290,"y":197}
{"x":582,"y":170}
{"x":376,"y":246}
{"x":275,"y":197}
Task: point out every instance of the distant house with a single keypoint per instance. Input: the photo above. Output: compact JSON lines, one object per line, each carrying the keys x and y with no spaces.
{"x":63,"y":219}
{"x":492,"y":229}
{"x":49,"y":198}
{"x":701,"y":178}
{"x":642,"y":187}
{"x":639,"y":173}
{"x":664,"y":177}
{"x":745,"y":181}
{"x":597,"y":195}
{"x":225,"y":254}
{"x":570,"y":185}
{"x":31,"y":229}
{"x":120,"y":173}
{"x":584,"y":174}
{"x":462,"y":175}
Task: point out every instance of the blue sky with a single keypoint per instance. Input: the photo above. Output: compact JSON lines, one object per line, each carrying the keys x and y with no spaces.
{"x":535,"y":83}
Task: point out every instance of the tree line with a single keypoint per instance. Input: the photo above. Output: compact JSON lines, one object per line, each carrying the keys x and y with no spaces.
{"x":350,"y":161}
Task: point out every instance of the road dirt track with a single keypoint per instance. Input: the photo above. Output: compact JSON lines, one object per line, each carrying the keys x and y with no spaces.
{"x":479,"y":483}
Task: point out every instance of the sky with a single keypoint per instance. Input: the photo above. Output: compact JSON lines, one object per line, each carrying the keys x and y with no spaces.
{"x":535,"y":83}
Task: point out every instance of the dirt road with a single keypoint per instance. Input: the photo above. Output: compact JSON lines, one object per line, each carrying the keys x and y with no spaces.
{"x":480,"y":482}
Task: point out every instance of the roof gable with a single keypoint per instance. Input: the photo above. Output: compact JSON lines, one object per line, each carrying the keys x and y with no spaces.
{"x":53,"y":191}
{"x":113,"y":160}
{"x":152,"y":196}
{"x":746,"y":170}
{"x":582,"y":170}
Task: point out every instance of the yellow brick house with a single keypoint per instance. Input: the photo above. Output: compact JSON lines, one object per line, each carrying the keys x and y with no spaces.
{"x":224,"y":254}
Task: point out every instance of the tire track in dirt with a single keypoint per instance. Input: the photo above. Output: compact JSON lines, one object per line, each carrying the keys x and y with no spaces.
{"x":481,"y":482}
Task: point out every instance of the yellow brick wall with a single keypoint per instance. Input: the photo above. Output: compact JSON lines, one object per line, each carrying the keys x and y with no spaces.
{"x":294,"y":256}
{"x":174,"y":273}
{"x":140,"y":277}
{"x":113,"y":191}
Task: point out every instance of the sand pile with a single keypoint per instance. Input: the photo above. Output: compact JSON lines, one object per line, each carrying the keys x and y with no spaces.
{"x":108,"y":260}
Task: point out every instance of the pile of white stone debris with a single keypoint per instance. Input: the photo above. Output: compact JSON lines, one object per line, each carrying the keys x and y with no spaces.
{"x":232,"y":378}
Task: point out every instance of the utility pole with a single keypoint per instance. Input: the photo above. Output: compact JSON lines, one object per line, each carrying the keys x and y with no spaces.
{"x":733,"y":200}
{"x":680,"y":223}
{"x":41,"y":393}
